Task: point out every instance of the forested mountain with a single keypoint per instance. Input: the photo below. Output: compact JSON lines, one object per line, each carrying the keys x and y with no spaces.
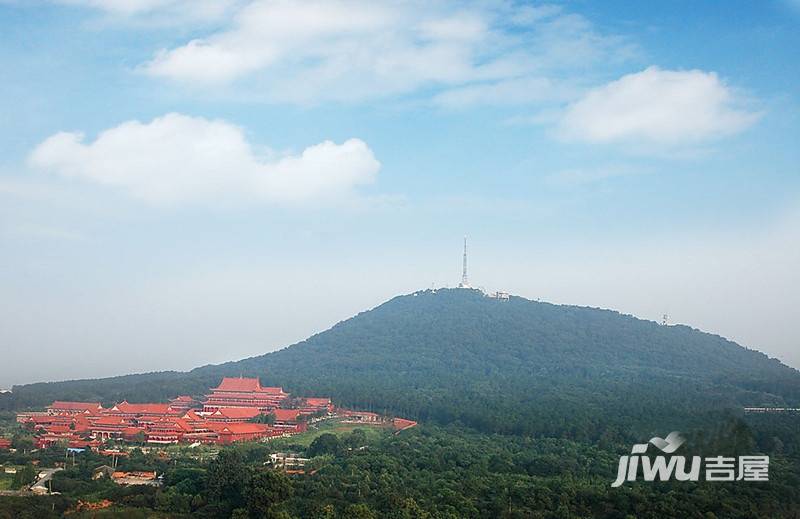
{"x":515,"y":366}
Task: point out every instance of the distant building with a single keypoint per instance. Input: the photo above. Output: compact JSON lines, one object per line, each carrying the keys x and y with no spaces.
{"x":288,"y":462}
{"x":103,"y":471}
{"x":167,"y":431}
{"x":235,"y":432}
{"x":234,"y":414}
{"x":286,"y":418}
{"x":63,"y":407}
{"x":183,"y":403}
{"x":401,"y":424}
{"x":316,"y":405}
{"x":128,"y":410}
{"x":227,"y":417}
{"x":244,"y":392}
{"x":362,"y":417}
{"x":772,"y":409}
{"x":27,"y":416}
{"x":136,"y":478}
{"x":106,"y":427}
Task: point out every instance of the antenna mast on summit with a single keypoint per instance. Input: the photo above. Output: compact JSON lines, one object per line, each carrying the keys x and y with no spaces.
{"x":464,"y":281}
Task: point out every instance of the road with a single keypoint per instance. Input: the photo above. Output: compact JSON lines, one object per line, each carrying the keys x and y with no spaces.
{"x":45,"y":475}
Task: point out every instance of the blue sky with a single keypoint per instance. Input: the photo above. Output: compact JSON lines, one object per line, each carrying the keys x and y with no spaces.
{"x":193,"y":182}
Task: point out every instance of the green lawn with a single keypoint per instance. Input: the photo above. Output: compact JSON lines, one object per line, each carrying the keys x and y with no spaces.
{"x":6,"y":481}
{"x":9,"y":425}
{"x":331,"y":426}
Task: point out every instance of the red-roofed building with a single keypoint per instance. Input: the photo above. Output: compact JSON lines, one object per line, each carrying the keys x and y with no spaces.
{"x":47,"y":420}
{"x":5,"y":444}
{"x":234,"y":414}
{"x":48,"y":439}
{"x":183,"y":403}
{"x":193,"y":418}
{"x":81,"y":424}
{"x":316,"y":405}
{"x":361,"y":417}
{"x":133,"y":434}
{"x":109,"y":427}
{"x":401,"y":424}
{"x":129,"y":410}
{"x":234,"y":432}
{"x":58,"y":429}
{"x":27,"y":416}
{"x":62,"y":407}
{"x":167,"y":430}
{"x":243,"y":392}
{"x":288,"y":420}
{"x":227,"y":416}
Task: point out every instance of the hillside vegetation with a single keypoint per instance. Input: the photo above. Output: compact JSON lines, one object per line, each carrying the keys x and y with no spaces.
{"x":517,"y":366}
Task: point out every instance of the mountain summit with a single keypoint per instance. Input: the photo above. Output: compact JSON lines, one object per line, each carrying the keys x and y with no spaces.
{"x":508,"y":365}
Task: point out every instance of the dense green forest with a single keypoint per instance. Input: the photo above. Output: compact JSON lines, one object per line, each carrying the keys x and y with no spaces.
{"x":526,"y":408}
{"x":514,"y":367}
{"x":433,"y":472}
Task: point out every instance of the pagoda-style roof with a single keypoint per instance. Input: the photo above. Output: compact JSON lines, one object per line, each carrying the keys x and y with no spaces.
{"x":318,"y":401}
{"x":240,"y":428}
{"x":236,"y":413}
{"x":142,"y":409}
{"x":245,"y":385}
{"x":76,"y":406}
{"x":284,"y":415}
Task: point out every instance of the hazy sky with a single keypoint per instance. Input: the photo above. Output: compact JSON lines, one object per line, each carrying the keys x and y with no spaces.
{"x":192,"y":181}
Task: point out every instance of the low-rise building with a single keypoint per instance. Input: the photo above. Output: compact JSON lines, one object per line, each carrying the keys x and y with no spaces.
{"x":67,"y":407}
{"x":244,"y":392}
{"x":136,"y":478}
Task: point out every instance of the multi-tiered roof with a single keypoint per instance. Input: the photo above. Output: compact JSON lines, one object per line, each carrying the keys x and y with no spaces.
{"x":244,"y":392}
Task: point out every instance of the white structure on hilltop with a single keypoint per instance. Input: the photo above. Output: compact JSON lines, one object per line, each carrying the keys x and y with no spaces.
{"x":464,"y":281}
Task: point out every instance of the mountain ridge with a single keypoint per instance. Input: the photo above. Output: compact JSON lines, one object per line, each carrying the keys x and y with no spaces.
{"x":457,"y":355}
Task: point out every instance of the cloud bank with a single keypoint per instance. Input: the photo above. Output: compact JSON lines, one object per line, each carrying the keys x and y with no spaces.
{"x":177,"y":10}
{"x":177,"y":158}
{"x":657,"y":106}
{"x":345,"y":50}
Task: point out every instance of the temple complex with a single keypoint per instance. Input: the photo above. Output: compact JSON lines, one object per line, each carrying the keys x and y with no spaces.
{"x":238,"y":409}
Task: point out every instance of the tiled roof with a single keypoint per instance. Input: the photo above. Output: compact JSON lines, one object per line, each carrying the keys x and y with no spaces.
{"x":286,"y":414}
{"x":245,"y":385}
{"x":239,"y":384}
{"x":56,"y":429}
{"x":243,"y":428}
{"x":143,"y":409}
{"x":75,"y":406}
{"x":192,"y":415}
{"x":237,"y":412}
{"x":110,"y":420}
{"x":318,"y":401}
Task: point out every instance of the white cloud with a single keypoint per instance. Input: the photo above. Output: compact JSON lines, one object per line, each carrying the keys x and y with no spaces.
{"x":657,"y":106}
{"x":316,"y":50}
{"x":176,"y":158}
{"x":170,"y":11}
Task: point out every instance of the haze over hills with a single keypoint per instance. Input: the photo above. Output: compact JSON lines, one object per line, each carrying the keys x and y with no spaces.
{"x":515,"y":366}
